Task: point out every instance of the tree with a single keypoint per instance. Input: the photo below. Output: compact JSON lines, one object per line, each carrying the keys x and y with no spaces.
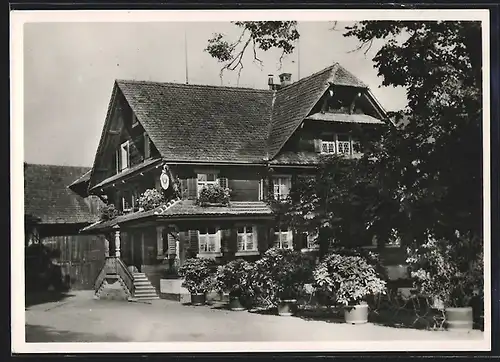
{"x":429,"y":164}
{"x":262,"y":35}
{"x":436,"y":154}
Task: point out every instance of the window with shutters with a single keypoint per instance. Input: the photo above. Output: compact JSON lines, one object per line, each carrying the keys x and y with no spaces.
{"x":247,"y":238}
{"x":282,"y":186}
{"x":209,"y":240}
{"x":283,"y":238}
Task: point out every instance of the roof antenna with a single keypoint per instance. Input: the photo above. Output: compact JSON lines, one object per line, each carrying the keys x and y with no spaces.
{"x":186,"y":55}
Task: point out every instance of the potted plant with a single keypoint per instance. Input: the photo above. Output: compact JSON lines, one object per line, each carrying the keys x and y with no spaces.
{"x":347,"y":280}
{"x":449,"y":272}
{"x":197,"y":276}
{"x":214,"y":195}
{"x":280,"y":277}
{"x":233,"y":278}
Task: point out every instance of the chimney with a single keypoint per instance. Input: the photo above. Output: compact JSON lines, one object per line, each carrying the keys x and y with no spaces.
{"x":285,"y":79}
{"x":270,"y":81}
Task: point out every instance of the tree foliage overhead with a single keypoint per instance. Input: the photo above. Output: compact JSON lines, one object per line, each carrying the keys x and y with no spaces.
{"x":262,"y":35}
{"x":426,"y":172}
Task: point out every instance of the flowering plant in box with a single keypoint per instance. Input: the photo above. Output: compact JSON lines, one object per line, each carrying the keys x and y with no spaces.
{"x":109,"y":212}
{"x":214,"y":194}
{"x":150,"y":199}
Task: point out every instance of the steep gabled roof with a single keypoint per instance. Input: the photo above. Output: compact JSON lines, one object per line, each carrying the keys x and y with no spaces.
{"x":203,"y":123}
{"x":295,"y":101}
{"x":222,"y":124}
{"x":48,"y":197}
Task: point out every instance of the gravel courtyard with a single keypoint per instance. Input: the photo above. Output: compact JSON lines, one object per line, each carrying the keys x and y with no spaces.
{"x":79,"y":318}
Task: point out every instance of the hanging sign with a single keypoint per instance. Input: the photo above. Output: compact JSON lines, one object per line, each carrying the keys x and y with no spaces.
{"x":164,"y":179}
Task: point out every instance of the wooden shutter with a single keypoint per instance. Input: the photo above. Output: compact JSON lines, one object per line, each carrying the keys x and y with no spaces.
{"x":192,"y":188}
{"x":225,"y":240}
{"x":317,"y":145}
{"x":262,"y":238}
{"x":193,"y":242}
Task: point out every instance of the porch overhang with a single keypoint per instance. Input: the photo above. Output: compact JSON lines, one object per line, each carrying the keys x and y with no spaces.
{"x":184,"y":212}
{"x":128,"y":173}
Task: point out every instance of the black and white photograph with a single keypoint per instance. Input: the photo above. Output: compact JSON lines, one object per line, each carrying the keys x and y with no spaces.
{"x":250,"y":181}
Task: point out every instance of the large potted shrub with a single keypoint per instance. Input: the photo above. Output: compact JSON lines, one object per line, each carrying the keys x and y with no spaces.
{"x":451,"y":273}
{"x":197,"y":274}
{"x":214,"y":195}
{"x":234,"y":278}
{"x":348,"y":280}
{"x":279,"y":278}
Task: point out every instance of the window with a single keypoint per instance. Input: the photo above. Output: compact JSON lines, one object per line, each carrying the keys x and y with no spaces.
{"x":340,"y":144}
{"x":129,"y":200}
{"x":327,"y":146}
{"x":312,"y":240}
{"x":205,"y":179}
{"x":209,"y":240}
{"x":247,"y":238}
{"x":123,"y":156}
{"x":343,"y":144}
{"x":223,"y":182}
{"x":282,"y":187}
{"x":283,"y":238}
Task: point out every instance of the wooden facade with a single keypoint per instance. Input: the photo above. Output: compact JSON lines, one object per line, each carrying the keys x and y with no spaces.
{"x":256,"y":158}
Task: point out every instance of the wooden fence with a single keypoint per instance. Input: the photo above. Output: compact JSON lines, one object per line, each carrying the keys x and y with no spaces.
{"x":81,"y":258}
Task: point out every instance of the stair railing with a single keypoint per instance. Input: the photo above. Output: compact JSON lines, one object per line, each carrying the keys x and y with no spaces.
{"x":114,"y":265}
{"x":125,"y":274}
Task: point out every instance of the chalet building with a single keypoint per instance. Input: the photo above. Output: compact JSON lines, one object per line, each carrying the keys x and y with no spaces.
{"x":55,"y":212}
{"x":252,"y":141}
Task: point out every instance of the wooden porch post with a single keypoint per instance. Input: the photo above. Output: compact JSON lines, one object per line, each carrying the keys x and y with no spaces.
{"x":117,"y":243}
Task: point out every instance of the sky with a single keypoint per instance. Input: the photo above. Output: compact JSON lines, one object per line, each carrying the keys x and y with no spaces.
{"x":69,"y":70}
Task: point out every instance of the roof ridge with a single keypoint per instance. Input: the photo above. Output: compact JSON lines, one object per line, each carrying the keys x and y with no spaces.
{"x":133,"y":81}
{"x":324,"y":70}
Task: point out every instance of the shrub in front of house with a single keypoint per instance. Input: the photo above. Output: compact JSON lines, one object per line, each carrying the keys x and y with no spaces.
{"x":450,"y":273}
{"x":234,"y":278}
{"x":109,"y":212}
{"x":151,"y":199}
{"x":348,"y":280}
{"x":280,"y":276}
{"x":198,"y":278}
{"x":214,"y":194}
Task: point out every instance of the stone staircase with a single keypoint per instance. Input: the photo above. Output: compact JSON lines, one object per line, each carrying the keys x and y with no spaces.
{"x":144,"y":290}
